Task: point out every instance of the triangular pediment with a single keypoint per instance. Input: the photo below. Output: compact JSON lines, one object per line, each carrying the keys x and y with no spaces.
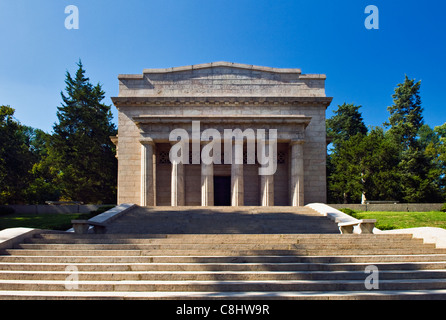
{"x":222,"y":79}
{"x":223,"y":65}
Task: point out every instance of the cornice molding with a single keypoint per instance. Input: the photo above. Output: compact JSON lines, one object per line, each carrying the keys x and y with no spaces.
{"x":222,"y":119}
{"x":220,"y":101}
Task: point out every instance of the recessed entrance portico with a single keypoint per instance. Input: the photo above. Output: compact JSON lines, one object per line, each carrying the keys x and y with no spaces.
{"x":292,"y":132}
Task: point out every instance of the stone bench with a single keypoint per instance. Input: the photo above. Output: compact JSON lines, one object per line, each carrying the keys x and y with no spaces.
{"x":82,"y":226}
{"x":366,"y":226}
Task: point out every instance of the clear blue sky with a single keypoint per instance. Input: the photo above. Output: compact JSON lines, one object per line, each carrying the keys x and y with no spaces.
{"x":319,"y":36}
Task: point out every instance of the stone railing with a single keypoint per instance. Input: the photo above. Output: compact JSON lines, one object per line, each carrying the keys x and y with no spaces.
{"x":347,"y":224}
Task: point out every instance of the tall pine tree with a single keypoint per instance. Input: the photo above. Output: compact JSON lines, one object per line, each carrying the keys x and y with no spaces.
{"x":81,"y":145}
{"x":406,"y":114}
{"x":346,"y":123}
{"x":415,"y":165}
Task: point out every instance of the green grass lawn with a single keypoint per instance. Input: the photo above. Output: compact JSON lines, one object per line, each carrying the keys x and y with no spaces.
{"x":385,"y":220}
{"x":55,"y":221}
{"x":403,"y":220}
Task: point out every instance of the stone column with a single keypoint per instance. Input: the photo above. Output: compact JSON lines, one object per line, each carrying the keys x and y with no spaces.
{"x":297,"y":174}
{"x":266,"y":182}
{"x":207,"y":184}
{"x":177,"y":189}
{"x":148,"y":185}
{"x":237,"y":186}
{"x":177,"y":192}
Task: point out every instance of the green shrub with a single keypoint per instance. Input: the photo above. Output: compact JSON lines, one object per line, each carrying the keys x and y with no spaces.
{"x":443,"y":208}
{"x":386,"y":226}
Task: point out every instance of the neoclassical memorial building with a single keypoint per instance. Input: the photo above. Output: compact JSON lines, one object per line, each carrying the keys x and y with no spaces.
{"x":221,"y":96}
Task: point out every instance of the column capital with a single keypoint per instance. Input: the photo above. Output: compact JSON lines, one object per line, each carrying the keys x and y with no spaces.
{"x":294,"y":142}
{"x":147,"y":141}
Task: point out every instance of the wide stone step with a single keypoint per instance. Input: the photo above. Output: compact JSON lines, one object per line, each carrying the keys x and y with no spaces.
{"x":347,"y":240}
{"x":225,"y":246}
{"x":149,"y":247}
{"x":273,"y":212}
{"x":371,"y":259}
{"x":179,"y":266}
{"x":222,"y":286}
{"x":228,"y":252}
{"x":270,"y":295}
{"x":169,"y":228}
{"x":223,"y":237}
{"x":218,"y":275}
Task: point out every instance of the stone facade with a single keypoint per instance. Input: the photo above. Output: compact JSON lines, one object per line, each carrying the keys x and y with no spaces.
{"x":221,"y":96}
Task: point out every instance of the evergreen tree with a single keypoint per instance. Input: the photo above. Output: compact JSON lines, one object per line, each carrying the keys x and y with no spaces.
{"x":406,"y":114}
{"x":346,"y":123}
{"x":416,"y":167}
{"x":81,"y":145}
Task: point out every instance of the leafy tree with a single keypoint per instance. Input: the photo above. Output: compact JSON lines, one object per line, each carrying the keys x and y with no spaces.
{"x":419,"y":180}
{"x":16,"y":158}
{"x":81,"y":145}
{"x":346,"y":124}
{"x":437,"y":151}
{"x":44,"y":185}
{"x":344,"y":179}
{"x":407,"y":163}
{"x":440,"y":151}
{"x":365,"y":166}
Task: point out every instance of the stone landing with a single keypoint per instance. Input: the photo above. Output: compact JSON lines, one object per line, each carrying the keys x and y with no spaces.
{"x":222,"y":220}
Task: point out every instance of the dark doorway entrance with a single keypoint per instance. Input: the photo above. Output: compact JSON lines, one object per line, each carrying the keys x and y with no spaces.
{"x":222,"y":191}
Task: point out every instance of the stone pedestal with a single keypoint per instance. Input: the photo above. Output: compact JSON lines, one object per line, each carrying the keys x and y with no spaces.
{"x":297,"y":174}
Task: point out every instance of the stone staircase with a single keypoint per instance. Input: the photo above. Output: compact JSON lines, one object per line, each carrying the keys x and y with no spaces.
{"x":224,"y":253}
{"x":221,"y":266}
